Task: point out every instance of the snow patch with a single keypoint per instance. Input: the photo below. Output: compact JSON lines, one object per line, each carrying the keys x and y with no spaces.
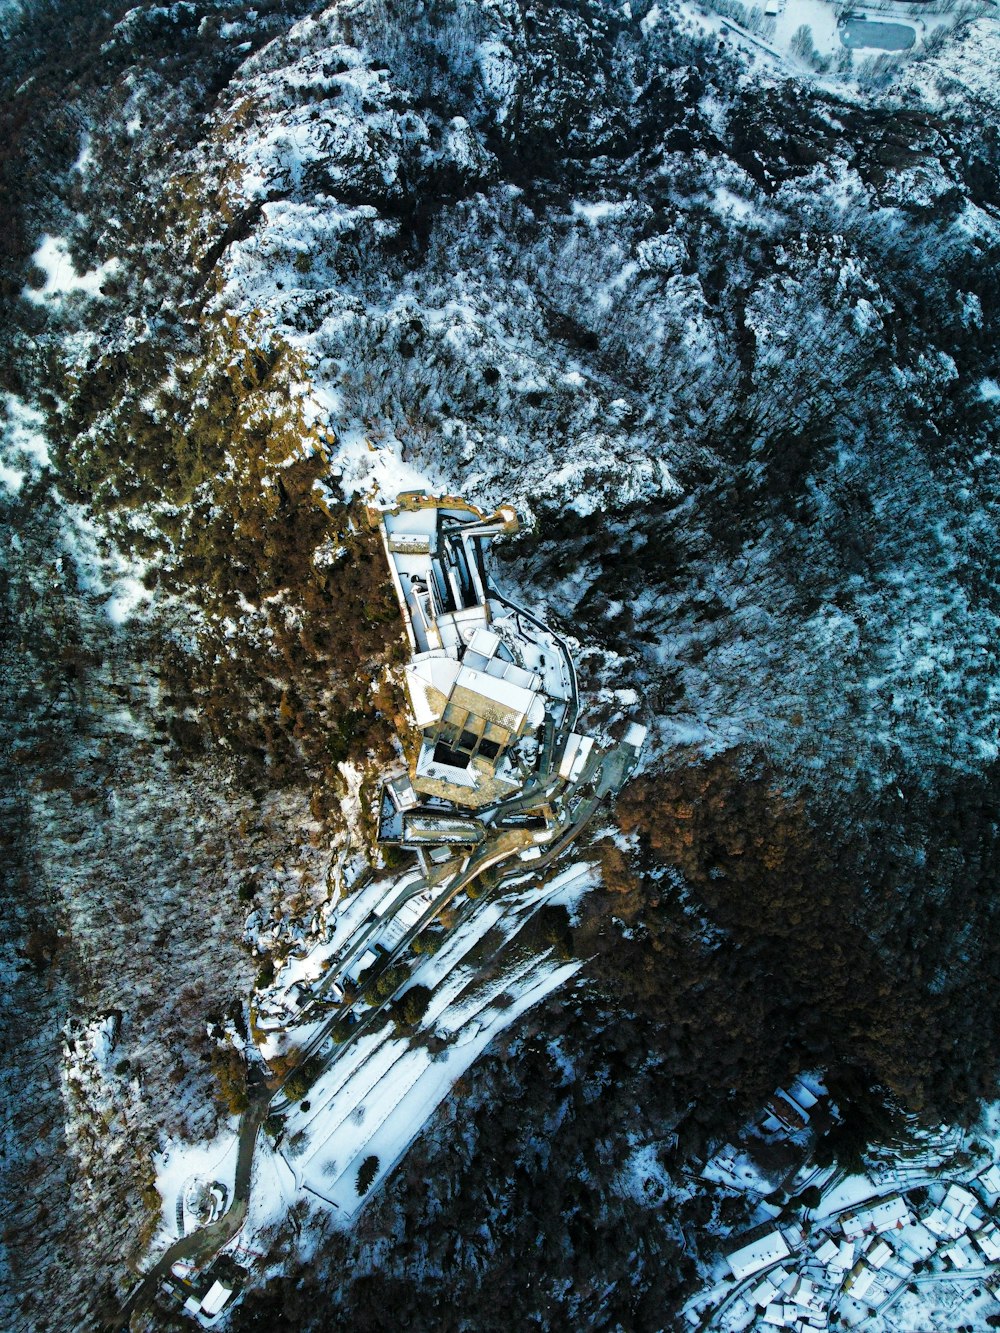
{"x":61,"y":277}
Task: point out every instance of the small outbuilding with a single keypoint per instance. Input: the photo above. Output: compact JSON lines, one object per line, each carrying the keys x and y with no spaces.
{"x":215,"y":1299}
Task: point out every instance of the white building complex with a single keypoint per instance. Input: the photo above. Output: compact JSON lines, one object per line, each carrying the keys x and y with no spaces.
{"x":489,"y":688}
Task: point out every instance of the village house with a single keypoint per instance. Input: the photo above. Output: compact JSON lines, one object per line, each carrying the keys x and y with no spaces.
{"x":961,"y":1254}
{"x":988,"y":1240}
{"x":885,"y":1215}
{"x":827,"y":1252}
{"x":877,"y":1253}
{"x":955,"y":1215}
{"x":756,"y":1250}
{"x":787,"y":1111}
{"x":859,"y":1280}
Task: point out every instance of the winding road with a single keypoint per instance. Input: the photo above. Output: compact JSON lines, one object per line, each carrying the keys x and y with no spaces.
{"x":203,"y":1244}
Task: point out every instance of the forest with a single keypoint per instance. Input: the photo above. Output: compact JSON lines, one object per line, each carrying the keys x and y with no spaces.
{"x":727,"y":337}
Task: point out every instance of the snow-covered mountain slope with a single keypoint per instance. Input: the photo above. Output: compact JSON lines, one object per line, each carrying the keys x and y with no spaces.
{"x":763,"y":308}
{"x":727,"y":335}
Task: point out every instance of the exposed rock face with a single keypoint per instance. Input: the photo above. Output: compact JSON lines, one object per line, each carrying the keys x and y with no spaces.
{"x":731,"y":339}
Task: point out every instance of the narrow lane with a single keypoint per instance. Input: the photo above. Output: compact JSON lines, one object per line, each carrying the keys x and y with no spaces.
{"x":201,"y":1245}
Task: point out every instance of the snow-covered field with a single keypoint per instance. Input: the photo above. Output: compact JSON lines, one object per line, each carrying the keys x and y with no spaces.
{"x":178,"y":1165}
{"x":377,"y":1096}
{"x":390,"y":1093}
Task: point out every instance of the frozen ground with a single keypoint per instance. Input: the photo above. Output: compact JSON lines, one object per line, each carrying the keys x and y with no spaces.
{"x":61,"y":277}
{"x":374,"y":1100}
{"x":178,"y":1163}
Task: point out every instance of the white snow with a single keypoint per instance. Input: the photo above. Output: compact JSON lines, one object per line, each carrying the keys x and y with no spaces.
{"x":378,"y":473}
{"x":85,"y":156}
{"x":391,"y":1092}
{"x":272,"y":1193}
{"x":380,"y":1090}
{"x":178,"y":1163}
{"x":852,"y":1190}
{"x":568,"y":887}
{"x":10,"y":479}
{"x":23,"y":447}
{"x":127,"y":596}
{"x":61,"y":277}
{"x":596,"y":210}
{"x":651,"y":20}
{"x":101,"y":570}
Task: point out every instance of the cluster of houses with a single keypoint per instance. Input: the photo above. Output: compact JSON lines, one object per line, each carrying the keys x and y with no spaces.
{"x":868,"y":1255}
{"x":202,"y":1296}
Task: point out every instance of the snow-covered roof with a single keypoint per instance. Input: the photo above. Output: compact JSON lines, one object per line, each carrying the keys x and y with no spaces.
{"x":429,"y":767}
{"x":805,"y":1293}
{"x":359,"y":964}
{"x":215,"y":1299}
{"x":760,"y":1253}
{"x":575,"y":756}
{"x":878,"y":1253}
{"x":412,"y":522}
{"x":944,"y":1224}
{"x":456,"y":628}
{"x":961,"y":1254}
{"x":860,"y":1280}
{"x":880,"y":1216}
{"x":430,"y":679}
{"x":511,"y":701}
{"x":419,"y":828}
{"x":845,"y":1256}
{"x":405,"y":543}
{"x":787,"y":1110}
{"x":827,"y":1252}
{"x":959,"y":1201}
{"x":780,"y":1316}
{"x":403,"y":794}
{"x":990,"y":1179}
{"x":764,"y":1292}
{"x":485,"y":642}
{"x":635,"y":735}
{"x":988,"y":1241}
{"x":529,"y":680}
